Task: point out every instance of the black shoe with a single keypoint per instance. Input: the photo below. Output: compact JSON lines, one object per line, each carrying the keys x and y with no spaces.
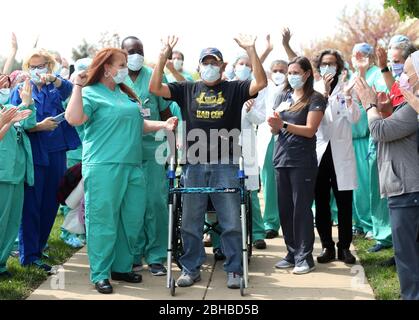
{"x":270,"y":234}
{"x":103,"y":286}
{"x":346,"y":256}
{"x":5,"y":275}
{"x":327,"y":255}
{"x":42,"y":266}
{"x":218,"y":254}
{"x":260,"y":244}
{"x":388,"y":263}
{"x":130,"y":277}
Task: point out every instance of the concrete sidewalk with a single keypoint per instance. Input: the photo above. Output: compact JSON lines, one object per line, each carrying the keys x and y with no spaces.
{"x":330,"y":281}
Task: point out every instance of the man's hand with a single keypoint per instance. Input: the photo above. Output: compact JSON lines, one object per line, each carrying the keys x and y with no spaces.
{"x":276,"y":123}
{"x":286,"y":37}
{"x":365,"y":93}
{"x":246,"y":41}
{"x":168,"y":46}
{"x":48,"y":124}
{"x":171,"y":124}
{"x":381,"y":57}
{"x":25,"y":93}
{"x":411,"y":99}
{"x":249,"y":104}
{"x":269,"y":44}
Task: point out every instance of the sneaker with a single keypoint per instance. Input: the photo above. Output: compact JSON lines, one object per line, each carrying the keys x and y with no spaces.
{"x":14,"y":254}
{"x":260,"y":244}
{"x":369,"y":235}
{"x":233,"y":280}
{"x":357,"y":233}
{"x":303,"y":269}
{"x":270,"y":234}
{"x":284,"y":264}
{"x":137,"y":267}
{"x":74,"y":242}
{"x":42,"y":266}
{"x":388,"y":263}
{"x":378,"y":247}
{"x":186,"y":280}
{"x":157,"y":269}
{"x":207,"y":240}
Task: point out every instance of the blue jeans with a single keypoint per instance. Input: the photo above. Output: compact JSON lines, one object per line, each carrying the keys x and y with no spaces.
{"x":227,"y":207}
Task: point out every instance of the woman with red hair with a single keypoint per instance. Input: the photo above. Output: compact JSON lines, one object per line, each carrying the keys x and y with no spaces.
{"x":112,"y":157}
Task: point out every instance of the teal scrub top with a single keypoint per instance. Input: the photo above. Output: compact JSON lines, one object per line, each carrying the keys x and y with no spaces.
{"x":113,"y":133}
{"x":150,"y":101}
{"x":16,"y":163}
{"x":187,"y":76}
{"x":373,"y":78}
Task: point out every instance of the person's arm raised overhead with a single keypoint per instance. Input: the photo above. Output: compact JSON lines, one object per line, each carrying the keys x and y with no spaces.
{"x":8,"y":65}
{"x":247,"y":42}
{"x":268,"y":49}
{"x":286,"y":37}
{"x":74,"y":113}
{"x":157,"y":86}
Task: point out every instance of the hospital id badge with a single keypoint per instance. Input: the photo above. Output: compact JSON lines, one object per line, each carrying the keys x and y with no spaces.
{"x":284,"y":106}
{"x":146,"y":112}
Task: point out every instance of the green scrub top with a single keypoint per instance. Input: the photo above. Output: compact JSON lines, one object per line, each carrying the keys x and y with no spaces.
{"x":149,"y":101}
{"x":171,"y":78}
{"x":113,"y":132}
{"x":16,"y":162}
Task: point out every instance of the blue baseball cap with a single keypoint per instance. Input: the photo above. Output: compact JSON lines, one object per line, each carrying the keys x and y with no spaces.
{"x":364,"y":48}
{"x":399,"y":38}
{"x":214,"y":52}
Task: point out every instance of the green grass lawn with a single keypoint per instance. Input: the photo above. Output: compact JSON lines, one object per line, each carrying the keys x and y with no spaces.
{"x":26,"y":280}
{"x":383,"y":280}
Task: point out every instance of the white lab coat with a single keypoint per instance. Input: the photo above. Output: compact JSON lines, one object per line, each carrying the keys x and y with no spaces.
{"x":264,"y":135}
{"x":336,"y":128}
{"x":248,"y":141}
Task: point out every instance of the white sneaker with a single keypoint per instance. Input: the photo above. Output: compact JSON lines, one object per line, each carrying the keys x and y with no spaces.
{"x":303,"y":269}
{"x":284,"y":264}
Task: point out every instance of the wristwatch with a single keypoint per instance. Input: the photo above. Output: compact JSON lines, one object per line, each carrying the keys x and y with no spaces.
{"x":284,"y":125}
{"x":386,"y":69}
{"x":370,"y":105}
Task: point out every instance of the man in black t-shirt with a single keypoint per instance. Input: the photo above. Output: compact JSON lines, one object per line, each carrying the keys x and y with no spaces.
{"x":211,"y":109}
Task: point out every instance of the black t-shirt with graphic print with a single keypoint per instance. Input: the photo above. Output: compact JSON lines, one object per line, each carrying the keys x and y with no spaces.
{"x":293,"y":150}
{"x":212,"y":114}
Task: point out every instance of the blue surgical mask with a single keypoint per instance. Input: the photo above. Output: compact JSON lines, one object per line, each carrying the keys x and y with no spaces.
{"x":4,"y":95}
{"x":177,"y":64}
{"x":135,"y":62}
{"x":58,"y":68}
{"x":278,"y":78}
{"x":121,"y":76}
{"x":210,"y":73}
{"x":242,"y":72}
{"x":296,"y":81}
{"x":327,"y":69}
{"x":35,"y":72}
{"x":397,"y":69}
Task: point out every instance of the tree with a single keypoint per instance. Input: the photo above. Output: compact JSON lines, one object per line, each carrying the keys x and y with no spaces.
{"x":364,"y":24}
{"x":108,"y":40}
{"x":405,"y":8}
{"x":83,"y":51}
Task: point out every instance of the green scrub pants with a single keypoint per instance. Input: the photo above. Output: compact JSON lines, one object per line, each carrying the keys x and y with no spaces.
{"x":11,"y":206}
{"x":270,"y":195}
{"x":152,"y":240}
{"x":381,"y":227}
{"x":115,"y":205}
{"x":361,"y":201}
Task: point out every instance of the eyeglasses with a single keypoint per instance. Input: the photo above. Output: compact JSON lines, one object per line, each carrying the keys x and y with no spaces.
{"x":39,"y":66}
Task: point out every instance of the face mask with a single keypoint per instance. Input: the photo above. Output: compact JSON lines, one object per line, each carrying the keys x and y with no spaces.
{"x":4,"y":95}
{"x":404,"y":82}
{"x":58,"y":68}
{"x":65,"y":73}
{"x":242,"y":72}
{"x":135,"y":62}
{"x":278,"y":78}
{"x":177,"y":64}
{"x":397,"y":69}
{"x":296,"y":81}
{"x":327,"y":69}
{"x":229,"y":72}
{"x":210,"y":73}
{"x":120,"y":76}
{"x":34,"y":74}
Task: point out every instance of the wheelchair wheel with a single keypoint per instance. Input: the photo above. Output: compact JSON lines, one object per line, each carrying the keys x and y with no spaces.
{"x":249,"y":225}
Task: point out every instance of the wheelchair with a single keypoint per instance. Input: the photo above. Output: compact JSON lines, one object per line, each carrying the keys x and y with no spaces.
{"x":175,"y":245}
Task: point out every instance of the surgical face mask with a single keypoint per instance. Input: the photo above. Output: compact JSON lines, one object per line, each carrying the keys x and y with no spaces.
{"x":278,"y":78}
{"x":229,"y":72}
{"x":210,"y":73}
{"x":296,"y":81}
{"x":397,"y":69}
{"x":327,"y":69}
{"x":65,"y":73}
{"x":135,"y":62}
{"x":35,"y":72}
{"x":404,"y":82}
{"x":4,"y":95}
{"x":242,"y":72}
{"x":177,"y":64}
{"x":120,"y":76}
{"x":58,"y":68}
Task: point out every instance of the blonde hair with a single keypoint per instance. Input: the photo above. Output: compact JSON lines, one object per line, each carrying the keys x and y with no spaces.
{"x":40,"y":53}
